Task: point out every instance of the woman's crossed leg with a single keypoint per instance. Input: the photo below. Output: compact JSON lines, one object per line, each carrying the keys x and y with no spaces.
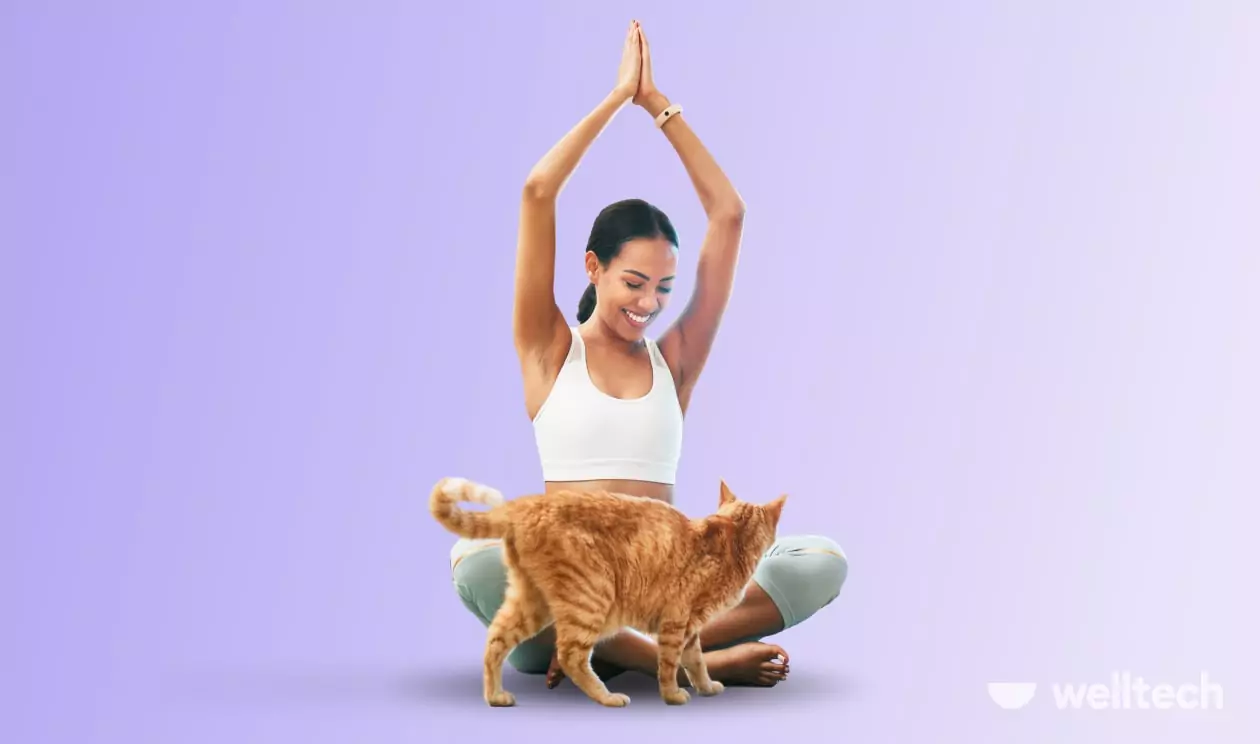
{"x":798,"y":576}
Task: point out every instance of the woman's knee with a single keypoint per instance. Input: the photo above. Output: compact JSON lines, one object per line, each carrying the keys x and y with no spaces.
{"x":802,"y":575}
{"x":480,"y":579}
{"x":832,"y":567}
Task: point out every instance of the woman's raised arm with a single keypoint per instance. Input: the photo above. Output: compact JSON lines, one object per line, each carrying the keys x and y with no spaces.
{"x":686,"y":344}
{"x":538,"y":324}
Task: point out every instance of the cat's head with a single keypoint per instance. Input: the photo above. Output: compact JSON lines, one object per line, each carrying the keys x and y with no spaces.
{"x":758,"y":523}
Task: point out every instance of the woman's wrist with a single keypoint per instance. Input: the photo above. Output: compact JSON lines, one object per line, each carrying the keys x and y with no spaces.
{"x":622,"y":96}
{"x":655,"y":104}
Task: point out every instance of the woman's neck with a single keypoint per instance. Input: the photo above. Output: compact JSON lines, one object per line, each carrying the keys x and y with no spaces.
{"x":603,"y":335}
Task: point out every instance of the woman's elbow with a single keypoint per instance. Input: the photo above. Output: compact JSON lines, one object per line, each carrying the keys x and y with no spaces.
{"x":538,"y":188}
{"x":731,"y":212}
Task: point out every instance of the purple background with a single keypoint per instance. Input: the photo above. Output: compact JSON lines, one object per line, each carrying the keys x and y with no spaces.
{"x":995,"y":330}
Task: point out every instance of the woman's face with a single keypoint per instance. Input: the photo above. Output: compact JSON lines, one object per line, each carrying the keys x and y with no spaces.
{"x":633,"y":289}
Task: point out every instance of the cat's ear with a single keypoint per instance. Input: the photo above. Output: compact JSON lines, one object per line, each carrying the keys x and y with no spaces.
{"x":725,"y":497}
{"x":775,"y":508}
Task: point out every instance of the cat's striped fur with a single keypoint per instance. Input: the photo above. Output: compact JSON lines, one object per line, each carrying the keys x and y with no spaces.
{"x":592,"y":563}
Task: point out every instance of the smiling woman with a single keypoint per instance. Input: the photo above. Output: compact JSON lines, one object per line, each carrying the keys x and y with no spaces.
{"x":607,"y":402}
{"x":630,"y":260}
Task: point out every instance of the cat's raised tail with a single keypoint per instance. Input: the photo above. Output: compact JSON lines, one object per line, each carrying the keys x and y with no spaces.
{"x":444,"y":506}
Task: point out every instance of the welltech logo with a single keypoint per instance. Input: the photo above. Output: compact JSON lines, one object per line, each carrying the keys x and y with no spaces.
{"x":1124,"y":691}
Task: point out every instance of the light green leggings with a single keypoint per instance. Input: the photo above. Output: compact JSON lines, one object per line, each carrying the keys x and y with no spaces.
{"x":801,"y":575}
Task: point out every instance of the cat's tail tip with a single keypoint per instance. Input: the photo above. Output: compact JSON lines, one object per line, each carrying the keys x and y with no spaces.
{"x":449,"y":492}
{"x":462,"y":489}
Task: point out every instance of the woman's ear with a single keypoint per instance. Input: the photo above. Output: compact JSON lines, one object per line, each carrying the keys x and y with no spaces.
{"x":592,"y":268}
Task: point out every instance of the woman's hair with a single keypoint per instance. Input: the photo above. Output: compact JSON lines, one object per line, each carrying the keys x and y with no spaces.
{"x":616,"y":224}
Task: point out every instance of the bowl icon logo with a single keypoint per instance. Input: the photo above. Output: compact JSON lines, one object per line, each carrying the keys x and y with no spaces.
{"x":1012,"y":695}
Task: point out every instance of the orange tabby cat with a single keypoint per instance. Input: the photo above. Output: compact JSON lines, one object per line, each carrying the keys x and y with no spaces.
{"x":593,"y":563}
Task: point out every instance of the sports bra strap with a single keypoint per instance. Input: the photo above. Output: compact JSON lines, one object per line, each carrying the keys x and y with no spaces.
{"x":658,"y":359}
{"x":577,"y":349}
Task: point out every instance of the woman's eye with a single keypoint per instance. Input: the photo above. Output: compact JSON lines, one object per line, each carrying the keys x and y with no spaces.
{"x":633,"y":286}
{"x":666,"y":290}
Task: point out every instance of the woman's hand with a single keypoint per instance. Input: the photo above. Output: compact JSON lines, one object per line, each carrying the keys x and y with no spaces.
{"x":647,"y":95}
{"x":629,"y":74}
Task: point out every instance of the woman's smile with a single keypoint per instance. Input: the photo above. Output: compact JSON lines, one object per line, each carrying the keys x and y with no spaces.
{"x":636,"y":320}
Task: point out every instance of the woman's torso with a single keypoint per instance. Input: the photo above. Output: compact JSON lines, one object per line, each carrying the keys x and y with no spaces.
{"x":607,"y":420}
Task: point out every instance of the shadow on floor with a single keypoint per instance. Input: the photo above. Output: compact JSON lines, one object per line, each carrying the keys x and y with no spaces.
{"x":450,"y":688}
{"x":463,"y":687}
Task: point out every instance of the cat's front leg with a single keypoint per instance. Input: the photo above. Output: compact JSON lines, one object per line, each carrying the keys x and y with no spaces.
{"x":693,"y":664}
{"x":669,"y":642}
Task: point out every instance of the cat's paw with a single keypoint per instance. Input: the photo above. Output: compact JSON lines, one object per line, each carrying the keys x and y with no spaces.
{"x":714,"y":688}
{"x":616,"y":700}
{"x":501,"y":699}
{"x":676,"y":697}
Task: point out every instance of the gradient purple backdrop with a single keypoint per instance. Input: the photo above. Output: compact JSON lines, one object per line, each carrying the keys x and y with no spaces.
{"x":995,"y":329}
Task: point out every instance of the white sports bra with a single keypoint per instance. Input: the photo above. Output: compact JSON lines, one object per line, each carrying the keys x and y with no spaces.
{"x":584,"y":434}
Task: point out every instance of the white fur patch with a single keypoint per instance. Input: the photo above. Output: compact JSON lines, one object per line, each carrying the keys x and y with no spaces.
{"x":466,"y":490}
{"x":454,"y":487}
{"x":487,"y":495}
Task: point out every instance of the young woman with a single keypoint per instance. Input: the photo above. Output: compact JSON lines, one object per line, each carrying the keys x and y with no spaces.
{"x":607,"y":403}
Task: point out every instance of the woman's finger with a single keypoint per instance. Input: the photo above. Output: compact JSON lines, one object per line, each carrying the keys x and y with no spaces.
{"x":645,"y":68}
{"x":646,"y":54}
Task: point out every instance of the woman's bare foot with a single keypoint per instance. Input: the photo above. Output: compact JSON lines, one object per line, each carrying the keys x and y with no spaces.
{"x":748,"y":664}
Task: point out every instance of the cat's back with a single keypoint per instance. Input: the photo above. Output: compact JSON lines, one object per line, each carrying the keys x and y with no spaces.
{"x":596,"y":520}
{"x":574,"y":503}
{"x":603,"y":508}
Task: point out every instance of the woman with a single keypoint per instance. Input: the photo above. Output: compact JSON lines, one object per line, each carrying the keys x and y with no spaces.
{"x":607,"y":403}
